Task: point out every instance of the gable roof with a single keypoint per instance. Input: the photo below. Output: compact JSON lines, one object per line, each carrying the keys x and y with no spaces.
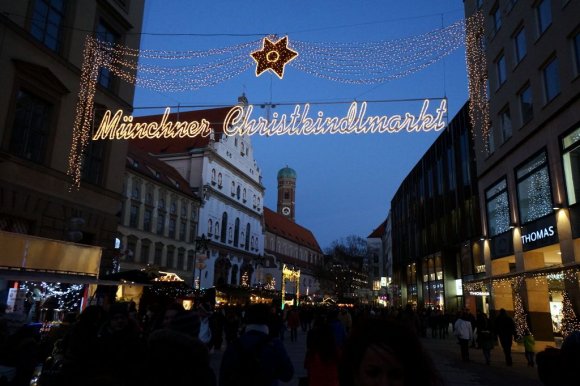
{"x":378,"y":232}
{"x":281,"y":226}
{"x":214,"y":116}
{"x":143,"y":163}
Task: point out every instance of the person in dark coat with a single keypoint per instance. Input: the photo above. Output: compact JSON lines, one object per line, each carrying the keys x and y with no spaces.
{"x":271,"y":361}
{"x":505,"y":328}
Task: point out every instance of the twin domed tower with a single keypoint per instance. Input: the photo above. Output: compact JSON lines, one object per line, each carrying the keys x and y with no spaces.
{"x":287,"y":193}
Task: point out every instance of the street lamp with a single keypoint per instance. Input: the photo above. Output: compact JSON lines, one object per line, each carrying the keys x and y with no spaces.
{"x":200,"y":245}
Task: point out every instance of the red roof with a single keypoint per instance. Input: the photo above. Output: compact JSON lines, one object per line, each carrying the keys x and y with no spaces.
{"x":215,"y":117}
{"x":378,"y":232}
{"x":145,"y":164}
{"x":281,"y":226}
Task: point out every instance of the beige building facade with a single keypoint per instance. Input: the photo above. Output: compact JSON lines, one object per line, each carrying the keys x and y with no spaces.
{"x":41,"y":53}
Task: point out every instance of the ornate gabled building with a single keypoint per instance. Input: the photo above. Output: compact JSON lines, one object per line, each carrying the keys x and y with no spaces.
{"x":223,"y":172}
{"x":159,"y":217}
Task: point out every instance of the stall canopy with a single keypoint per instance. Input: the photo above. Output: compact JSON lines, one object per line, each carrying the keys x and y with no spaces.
{"x":25,"y":255}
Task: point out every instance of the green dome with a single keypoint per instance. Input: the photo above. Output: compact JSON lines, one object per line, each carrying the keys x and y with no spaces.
{"x":287,"y":172}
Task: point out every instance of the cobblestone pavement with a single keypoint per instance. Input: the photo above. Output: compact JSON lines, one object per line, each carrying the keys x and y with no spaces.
{"x":446,"y":355}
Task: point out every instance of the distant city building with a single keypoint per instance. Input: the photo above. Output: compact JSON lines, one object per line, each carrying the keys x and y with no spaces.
{"x":435,"y":222}
{"x":223,"y":172}
{"x":528,"y":166}
{"x":41,"y":57}
{"x":380,"y":261}
{"x":159,"y":218}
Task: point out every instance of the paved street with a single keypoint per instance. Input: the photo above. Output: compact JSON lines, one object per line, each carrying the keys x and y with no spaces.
{"x":445,"y":353}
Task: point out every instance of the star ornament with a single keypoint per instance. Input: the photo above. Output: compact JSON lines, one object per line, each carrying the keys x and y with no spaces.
{"x":273,"y":56}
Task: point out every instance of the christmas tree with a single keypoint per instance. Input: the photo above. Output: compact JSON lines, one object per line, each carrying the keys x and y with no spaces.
{"x":570,"y":322}
{"x":519,"y":315}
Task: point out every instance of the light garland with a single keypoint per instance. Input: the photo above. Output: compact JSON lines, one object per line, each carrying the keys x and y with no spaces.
{"x":353,"y":63}
{"x":68,"y":296}
{"x":477,"y":76}
{"x":570,"y":322}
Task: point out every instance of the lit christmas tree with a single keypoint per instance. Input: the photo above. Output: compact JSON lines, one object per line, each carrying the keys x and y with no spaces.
{"x":519,"y":315}
{"x":570,"y":321}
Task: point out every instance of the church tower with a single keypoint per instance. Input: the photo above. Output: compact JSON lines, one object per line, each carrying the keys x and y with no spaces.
{"x":287,"y":193}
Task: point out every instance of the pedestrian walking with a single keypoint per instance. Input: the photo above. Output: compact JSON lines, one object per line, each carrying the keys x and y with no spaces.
{"x":505,"y":330}
{"x":485,"y":338}
{"x":464,"y":333}
{"x":529,"y":347}
{"x":322,"y":355}
{"x":293,"y":322}
{"x":255,"y":358}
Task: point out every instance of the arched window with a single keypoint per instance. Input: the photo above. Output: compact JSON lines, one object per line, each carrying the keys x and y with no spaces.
{"x":230,"y":235}
{"x":238,"y":192}
{"x":213,"y":176}
{"x":217,"y":229}
{"x":237,"y":232}
{"x":233,"y":188}
{"x":209,"y":227}
{"x":243,"y":149}
{"x":244,"y":195}
{"x":247,"y":236}
{"x":219,"y":180}
{"x":243,"y":237}
{"x":223,"y":234}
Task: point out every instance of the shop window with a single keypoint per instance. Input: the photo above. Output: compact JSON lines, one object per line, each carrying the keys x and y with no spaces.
{"x":551,"y":79}
{"x":47,"y":23}
{"x":497,"y":208}
{"x":533,"y":187}
{"x":571,"y":161}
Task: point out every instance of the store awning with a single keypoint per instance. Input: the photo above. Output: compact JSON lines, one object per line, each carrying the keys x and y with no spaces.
{"x":29,"y":253}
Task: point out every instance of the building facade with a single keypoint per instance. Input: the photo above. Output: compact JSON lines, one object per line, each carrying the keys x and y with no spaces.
{"x":223,"y":172}
{"x":41,"y":54}
{"x":435,"y":222}
{"x":159,"y":218}
{"x":528,"y":166}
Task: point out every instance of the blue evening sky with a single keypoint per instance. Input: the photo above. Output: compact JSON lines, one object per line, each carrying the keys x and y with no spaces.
{"x":345,"y":182}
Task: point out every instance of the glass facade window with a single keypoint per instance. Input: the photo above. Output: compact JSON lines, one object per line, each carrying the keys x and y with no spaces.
{"x":520,"y":44}
{"x":576,"y":43}
{"x":496,"y":17}
{"x":105,"y":33}
{"x":571,"y":161}
{"x":47,"y":21}
{"x":490,"y":141}
{"x":497,"y":208}
{"x":147,"y":218}
{"x":551,"y":77}
{"x":544,"y":14}
{"x":134,"y":216}
{"x":505,"y":122}
{"x":30,"y":130}
{"x":500,"y":66}
{"x":534,"y":193}
{"x":526,"y":104}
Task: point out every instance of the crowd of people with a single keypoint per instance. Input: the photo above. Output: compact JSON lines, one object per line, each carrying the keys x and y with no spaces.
{"x":118,"y":346}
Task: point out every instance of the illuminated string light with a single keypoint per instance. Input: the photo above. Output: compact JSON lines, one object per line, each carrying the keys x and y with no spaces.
{"x":570,"y":322}
{"x":477,"y":76}
{"x":355,"y":63}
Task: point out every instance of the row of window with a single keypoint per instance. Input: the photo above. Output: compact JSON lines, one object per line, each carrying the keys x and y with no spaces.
{"x":533,"y":188}
{"x":228,"y":234}
{"x":236,"y":190}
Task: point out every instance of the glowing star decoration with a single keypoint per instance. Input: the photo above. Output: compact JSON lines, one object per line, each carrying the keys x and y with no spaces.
{"x":273,"y":56}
